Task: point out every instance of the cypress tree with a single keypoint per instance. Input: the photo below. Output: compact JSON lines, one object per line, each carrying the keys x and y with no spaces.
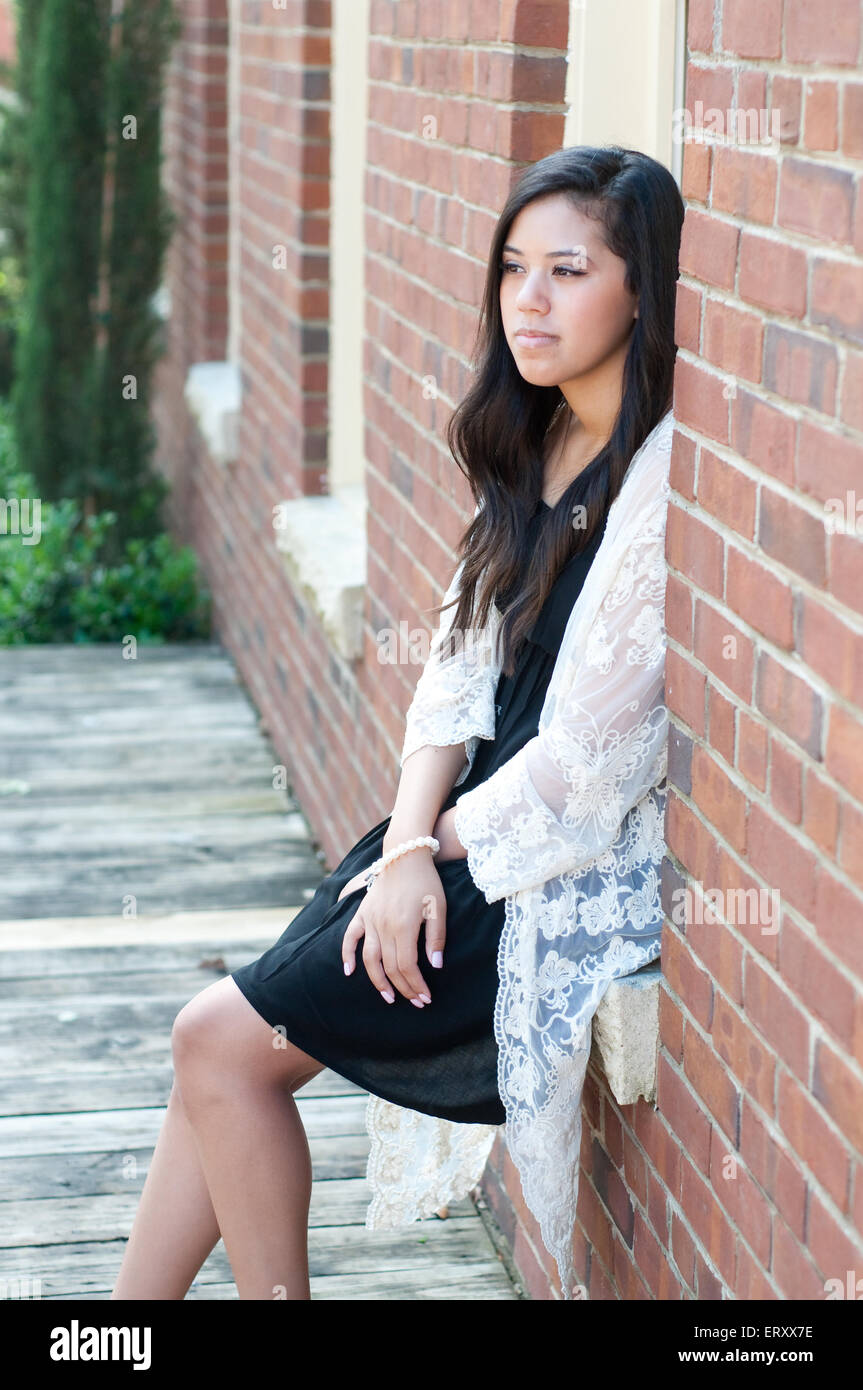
{"x":52,"y":396}
{"x":137,"y":226}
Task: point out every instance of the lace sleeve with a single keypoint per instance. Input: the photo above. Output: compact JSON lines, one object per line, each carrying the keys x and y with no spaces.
{"x":454,"y":697}
{"x":559,"y":802}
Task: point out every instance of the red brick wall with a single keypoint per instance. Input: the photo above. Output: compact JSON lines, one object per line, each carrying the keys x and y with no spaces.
{"x":746,"y":1178}
{"x":761,"y":1035}
{"x":762,"y":1031}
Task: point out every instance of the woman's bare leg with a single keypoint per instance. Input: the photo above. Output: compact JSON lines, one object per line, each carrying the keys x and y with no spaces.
{"x":176,"y":1226}
{"x":236,"y":1076}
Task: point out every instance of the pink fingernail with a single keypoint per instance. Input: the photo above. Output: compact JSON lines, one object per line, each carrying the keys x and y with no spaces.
{"x":349,"y":965}
{"x":417,"y":1005}
{"x":388,"y":995}
{"x":437,"y":960}
{"x":424,"y":998}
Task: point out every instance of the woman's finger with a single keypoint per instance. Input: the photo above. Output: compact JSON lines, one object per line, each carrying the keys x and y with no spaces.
{"x":354,"y":933}
{"x":391,"y":950}
{"x":374,"y":965}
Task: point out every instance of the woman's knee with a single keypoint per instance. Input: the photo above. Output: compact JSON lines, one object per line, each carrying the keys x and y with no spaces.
{"x":218,"y":1033}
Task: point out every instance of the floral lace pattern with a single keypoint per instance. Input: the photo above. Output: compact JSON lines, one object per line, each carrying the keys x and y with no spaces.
{"x":570,"y":832}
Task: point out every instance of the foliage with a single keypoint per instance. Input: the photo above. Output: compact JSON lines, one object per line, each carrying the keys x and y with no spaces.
{"x":62,"y":589}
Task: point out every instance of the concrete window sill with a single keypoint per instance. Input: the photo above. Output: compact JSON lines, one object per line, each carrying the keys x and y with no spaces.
{"x":626,"y":1035}
{"x":323,"y":545}
{"x":212,"y":394}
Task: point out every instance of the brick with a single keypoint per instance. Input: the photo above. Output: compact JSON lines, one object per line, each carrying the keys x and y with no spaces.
{"x":651,"y":1262}
{"x":834,"y":1249}
{"x":813,"y":1139}
{"x":765,"y":435}
{"x":721,"y":717}
{"x":685,"y":1117}
{"x":851,"y":407}
{"x":752,"y":31}
{"x":836,"y":297}
{"x":657,"y":1207}
{"x":711,"y":1080}
{"x":752,"y":1284}
{"x":752,"y":743}
{"x":720,"y":800}
{"x":720,"y":950}
{"x":772,"y":274}
{"x":839,"y":920}
{"x":685,"y":688}
{"x":761,"y":597}
{"x":800,"y":367}
{"x":778,"y":1017}
{"x":790,"y":703}
{"x":843,"y":754}
{"x":660,"y":1144}
{"x":695,"y":549}
{"x":727,"y":493}
{"x":786,"y":97}
{"x":708,"y":247}
{"x":840,"y":1091}
{"x":786,"y":782}
{"x":816,"y":199}
{"x":781,"y":860}
{"x":791,"y":536}
{"x":830,"y":34}
{"x":745,"y":1053}
{"x":725,"y":649}
{"x":831,"y":648}
{"x":709,"y":1223}
{"x":683,"y":1250}
{"x":774,"y":1169}
{"x":852,"y":120}
{"x":697,"y":163}
{"x":825,"y":810}
{"x":740,"y":1196}
{"x":744,"y":182}
{"x":793,"y":1271}
{"x":821,"y":121}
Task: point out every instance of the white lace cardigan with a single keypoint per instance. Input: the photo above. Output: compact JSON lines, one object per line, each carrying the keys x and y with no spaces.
{"x":570,"y":832}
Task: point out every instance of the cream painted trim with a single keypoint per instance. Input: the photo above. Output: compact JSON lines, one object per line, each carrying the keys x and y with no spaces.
{"x":350,"y":33}
{"x":624,"y":75}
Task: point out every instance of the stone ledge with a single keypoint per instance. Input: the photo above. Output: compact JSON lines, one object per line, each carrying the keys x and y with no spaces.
{"x":626,"y":1034}
{"x":213,"y":392}
{"x":323,"y":543}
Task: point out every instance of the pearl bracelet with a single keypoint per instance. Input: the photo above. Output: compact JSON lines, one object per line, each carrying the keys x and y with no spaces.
{"x":379,"y":864}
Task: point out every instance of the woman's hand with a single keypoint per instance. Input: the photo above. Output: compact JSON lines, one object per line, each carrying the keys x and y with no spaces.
{"x":405,"y":894}
{"x":352,"y":884}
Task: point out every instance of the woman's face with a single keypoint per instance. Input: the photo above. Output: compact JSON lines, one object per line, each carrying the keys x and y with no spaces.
{"x":578,"y":300}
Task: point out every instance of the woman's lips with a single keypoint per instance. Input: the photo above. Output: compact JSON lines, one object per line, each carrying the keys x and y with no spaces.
{"x":535,"y":340}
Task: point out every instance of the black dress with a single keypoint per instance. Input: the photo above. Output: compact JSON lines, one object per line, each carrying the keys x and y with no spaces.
{"x":442,"y":1059}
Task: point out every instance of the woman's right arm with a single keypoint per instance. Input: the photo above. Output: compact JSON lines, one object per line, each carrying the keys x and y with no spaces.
{"x":426,"y":781}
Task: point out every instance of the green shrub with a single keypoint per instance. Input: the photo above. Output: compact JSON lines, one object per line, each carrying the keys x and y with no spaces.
{"x":61,"y":590}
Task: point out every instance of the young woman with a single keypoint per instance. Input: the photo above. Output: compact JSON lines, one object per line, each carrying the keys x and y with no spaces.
{"x":457,"y":982}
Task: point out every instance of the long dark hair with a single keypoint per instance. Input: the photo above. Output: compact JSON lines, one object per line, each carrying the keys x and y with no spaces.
{"x":496,"y":434}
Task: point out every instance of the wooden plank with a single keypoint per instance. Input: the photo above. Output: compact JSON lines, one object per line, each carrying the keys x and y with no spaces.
{"x":417,"y":1250}
{"x":89,"y":1174}
{"x":93,"y":1131}
{"x":475,"y":1281}
{"x":164,"y":957}
{"x":109,"y":1215}
{"x":143,"y":1087}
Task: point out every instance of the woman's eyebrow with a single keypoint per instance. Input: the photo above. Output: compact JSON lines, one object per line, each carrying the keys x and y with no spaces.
{"x":572,"y":251}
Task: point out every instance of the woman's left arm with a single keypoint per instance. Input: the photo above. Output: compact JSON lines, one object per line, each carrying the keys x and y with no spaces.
{"x":559,"y":802}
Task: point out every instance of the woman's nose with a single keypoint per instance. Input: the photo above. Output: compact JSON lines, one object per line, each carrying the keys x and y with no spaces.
{"x":531,"y":294}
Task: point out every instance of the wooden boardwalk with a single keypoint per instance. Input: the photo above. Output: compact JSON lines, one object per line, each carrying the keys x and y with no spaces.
{"x":124,"y":783}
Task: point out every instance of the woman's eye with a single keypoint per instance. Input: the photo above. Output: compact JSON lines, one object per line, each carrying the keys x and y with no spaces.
{"x":567,"y":269}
